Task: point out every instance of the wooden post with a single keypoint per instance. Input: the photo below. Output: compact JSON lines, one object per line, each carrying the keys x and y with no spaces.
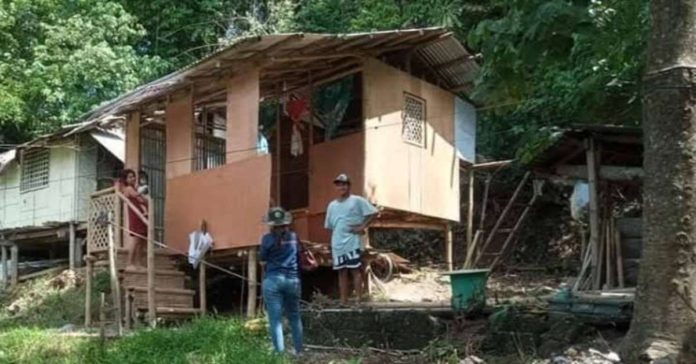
{"x":14,"y":266}
{"x":253,"y":284}
{"x":278,"y":153}
{"x":79,"y":251}
{"x":115,"y":284}
{"x":202,"y":289}
{"x":71,"y":246}
{"x":88,"y":292}
{"x":151,"y":305}
{"x":449,"y":256}
{"x":129,"y":307}
{"x":594,"y":213}
{"x":4,"y":267}
{"x":470,"y":208}
{"x":366,"y":270}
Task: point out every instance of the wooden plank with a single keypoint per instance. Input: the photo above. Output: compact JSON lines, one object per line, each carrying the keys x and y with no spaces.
{"x":609,"y":173}
{"x":253,"y":284}
{"x":407,"y":225}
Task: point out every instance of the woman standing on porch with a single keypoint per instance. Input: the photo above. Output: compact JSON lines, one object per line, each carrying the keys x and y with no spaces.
{"x":281,"y":283}
{"x":137,"y":228}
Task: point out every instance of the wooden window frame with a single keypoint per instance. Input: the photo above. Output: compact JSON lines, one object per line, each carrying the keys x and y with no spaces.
{"x":35,"y":170}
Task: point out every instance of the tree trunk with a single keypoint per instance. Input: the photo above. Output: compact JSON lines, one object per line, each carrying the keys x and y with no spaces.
{"x":664,"y":314}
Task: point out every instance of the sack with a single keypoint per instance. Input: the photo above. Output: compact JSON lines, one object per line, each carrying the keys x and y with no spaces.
{"x":307,"y":261}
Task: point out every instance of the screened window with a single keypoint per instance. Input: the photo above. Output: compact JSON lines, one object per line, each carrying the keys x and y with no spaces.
{"x":414,"y":120}
{"x":210,"y":148}
{"x":35,"y":167}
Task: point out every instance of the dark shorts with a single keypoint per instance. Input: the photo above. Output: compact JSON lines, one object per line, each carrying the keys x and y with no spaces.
{"x":351,"y":260}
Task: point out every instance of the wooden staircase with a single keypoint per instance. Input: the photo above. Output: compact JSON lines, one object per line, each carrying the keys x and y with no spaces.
{"x":158,"y":290}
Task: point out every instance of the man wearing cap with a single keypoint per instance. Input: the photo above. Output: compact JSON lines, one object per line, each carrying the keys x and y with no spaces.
{"x":348,"y":217}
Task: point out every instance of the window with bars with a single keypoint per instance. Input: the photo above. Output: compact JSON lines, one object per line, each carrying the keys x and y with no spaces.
{"x":35,"y":168}
{"x":210,"y":147}
{"x":413,"y":130}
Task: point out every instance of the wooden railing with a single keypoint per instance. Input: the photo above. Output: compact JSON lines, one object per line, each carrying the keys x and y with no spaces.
{"x":105,"y":232}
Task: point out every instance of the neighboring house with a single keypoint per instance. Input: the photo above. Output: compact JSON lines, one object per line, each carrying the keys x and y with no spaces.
{"x":272,"y":119}
{"x":45,"y":186}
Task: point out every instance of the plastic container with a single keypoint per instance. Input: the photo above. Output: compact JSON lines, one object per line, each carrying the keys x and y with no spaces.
{"x":468,"y":289}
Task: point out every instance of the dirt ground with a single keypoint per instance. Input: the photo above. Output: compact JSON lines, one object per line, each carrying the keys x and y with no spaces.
{"x":428,"y":285}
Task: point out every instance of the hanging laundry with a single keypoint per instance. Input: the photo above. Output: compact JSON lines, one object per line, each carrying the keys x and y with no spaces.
{"x":296,"y":147}
{"x":199,"y":244}
{"x":297,"y":108}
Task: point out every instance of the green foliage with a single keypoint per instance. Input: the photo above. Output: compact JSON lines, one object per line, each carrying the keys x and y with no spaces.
{"x":58,"y":59}
{"x":203,"y":341}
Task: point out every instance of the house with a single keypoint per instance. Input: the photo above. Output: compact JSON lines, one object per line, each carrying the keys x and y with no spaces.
{"x":45,"y":186}
{"x":271,"y":120}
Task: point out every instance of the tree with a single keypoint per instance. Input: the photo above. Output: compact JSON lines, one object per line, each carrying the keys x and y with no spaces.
{"x":60,"y":58}
{"x":665,"y":303}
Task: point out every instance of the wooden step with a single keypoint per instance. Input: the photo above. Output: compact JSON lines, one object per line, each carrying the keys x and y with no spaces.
{"x":162,"y":261}
{"x":164,"y":297}
{"x":164,"y":278}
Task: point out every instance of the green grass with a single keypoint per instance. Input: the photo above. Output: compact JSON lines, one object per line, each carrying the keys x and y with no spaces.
{"x":203,"y":341}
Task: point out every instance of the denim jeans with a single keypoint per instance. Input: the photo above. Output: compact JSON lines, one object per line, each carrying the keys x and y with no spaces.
{"x":282,"y":294}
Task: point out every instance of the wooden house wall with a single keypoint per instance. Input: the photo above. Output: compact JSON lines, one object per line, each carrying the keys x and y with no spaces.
{"x":403,"y":176}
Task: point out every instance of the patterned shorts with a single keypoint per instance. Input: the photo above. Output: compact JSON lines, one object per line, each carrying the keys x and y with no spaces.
{"x":349,"y":260}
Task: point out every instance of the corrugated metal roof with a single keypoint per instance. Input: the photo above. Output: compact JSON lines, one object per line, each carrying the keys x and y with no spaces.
{"x":435,"y":47}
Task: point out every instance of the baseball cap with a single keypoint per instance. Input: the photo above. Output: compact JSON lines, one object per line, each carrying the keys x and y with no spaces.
{"x":342,"y":178}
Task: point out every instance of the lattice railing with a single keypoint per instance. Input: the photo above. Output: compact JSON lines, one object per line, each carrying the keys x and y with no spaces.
{"x":103,"y":205}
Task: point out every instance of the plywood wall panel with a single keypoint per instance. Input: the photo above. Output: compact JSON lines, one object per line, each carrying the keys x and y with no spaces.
{"x":232,"y":198}
{"x":180,"y":129}
{"x":403,"y":176}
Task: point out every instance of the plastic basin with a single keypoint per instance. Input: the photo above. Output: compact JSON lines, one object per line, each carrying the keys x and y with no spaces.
{"x":468,"y":288}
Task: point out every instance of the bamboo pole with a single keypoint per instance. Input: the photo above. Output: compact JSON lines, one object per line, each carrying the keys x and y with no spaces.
{"x":151,"y":304}
{"x":608,"y":241}
{"x":502,"y":217}
{"x":484,"y":203}
{"x":470,"y":209}
{"x":251,"y":298}
{"x":471,"y":249}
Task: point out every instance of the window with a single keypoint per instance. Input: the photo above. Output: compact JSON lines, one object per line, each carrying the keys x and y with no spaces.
{"x":35,"y":165}
{"x":413,"y":130}
{"x":210,"y":148}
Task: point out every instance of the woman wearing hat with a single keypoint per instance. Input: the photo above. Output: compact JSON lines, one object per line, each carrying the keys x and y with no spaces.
{"x":281,"y":284}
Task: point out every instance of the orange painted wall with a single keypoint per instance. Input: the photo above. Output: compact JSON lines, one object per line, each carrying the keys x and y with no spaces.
{"x":400,"y":175}
{"x":179,"y":116}
{"x":242,"y":115}
{"x":232,"y":198}
{"x":133,"y":141}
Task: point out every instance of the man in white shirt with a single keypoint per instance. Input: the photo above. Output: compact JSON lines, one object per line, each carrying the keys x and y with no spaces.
{"x":348,"y":217}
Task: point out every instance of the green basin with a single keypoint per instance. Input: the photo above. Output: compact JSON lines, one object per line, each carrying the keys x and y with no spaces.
{"x":468,"y":288}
